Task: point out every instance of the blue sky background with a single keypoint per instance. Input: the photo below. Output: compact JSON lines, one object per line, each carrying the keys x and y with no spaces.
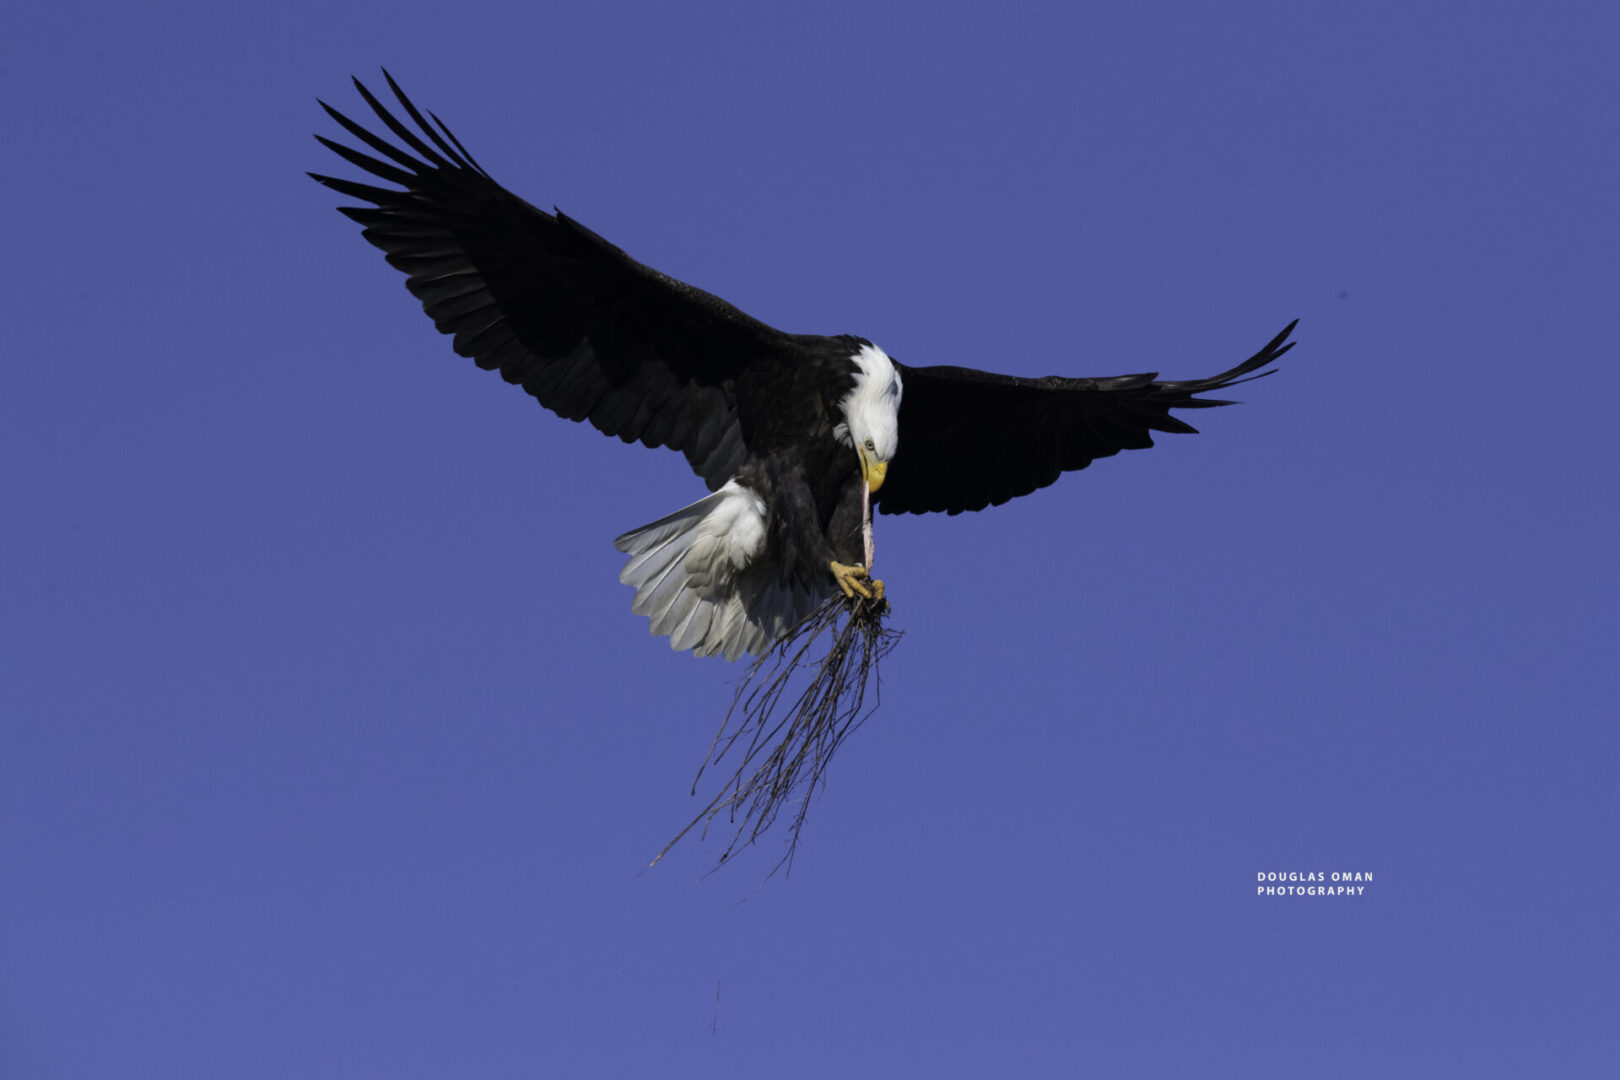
{"x":332,"y":749}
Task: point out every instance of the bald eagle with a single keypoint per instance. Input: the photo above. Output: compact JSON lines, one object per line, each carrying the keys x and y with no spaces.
{"x":797,"y":436}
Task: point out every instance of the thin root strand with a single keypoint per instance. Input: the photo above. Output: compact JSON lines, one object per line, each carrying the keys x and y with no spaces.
{"x":787,"y":747}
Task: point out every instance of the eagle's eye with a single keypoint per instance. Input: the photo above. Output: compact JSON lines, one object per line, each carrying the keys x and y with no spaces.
{"x":870,"y":445}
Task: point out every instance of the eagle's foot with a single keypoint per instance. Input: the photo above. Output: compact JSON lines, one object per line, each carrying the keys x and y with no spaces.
{"x":855,"y":582}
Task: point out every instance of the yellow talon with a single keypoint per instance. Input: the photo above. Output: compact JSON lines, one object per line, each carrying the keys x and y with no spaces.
{"x":854,"y":582}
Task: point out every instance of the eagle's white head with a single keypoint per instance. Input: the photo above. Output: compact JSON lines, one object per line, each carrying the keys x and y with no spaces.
{"x":872,"y":413}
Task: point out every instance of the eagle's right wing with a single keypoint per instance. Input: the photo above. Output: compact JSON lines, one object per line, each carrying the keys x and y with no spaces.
{"x":590,"y":332}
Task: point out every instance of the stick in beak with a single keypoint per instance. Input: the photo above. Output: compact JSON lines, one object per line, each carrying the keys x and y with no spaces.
{"x":866,"y":525}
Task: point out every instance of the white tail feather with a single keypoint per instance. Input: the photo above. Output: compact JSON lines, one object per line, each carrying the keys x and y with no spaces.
{"x":689,"y":573}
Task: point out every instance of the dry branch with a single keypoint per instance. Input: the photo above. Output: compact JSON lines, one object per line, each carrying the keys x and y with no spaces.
{"x":786,"y":748}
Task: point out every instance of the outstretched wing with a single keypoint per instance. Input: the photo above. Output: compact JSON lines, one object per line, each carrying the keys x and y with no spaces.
{"x":590,"y":332}
{"x":971,"y":439}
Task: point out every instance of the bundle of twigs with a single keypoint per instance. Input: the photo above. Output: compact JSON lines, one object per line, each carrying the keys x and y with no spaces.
{"x":785,"y":751}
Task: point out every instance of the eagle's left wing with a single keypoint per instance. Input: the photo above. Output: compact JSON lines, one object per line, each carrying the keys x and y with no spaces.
{"x":971,"y":439}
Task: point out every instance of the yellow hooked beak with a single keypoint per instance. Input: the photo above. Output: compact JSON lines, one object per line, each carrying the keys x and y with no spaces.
{"x":872,"y":472}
